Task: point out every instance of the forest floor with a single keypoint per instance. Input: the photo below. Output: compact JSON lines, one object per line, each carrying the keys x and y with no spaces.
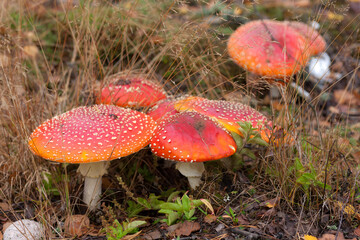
{"x":54,"y":55}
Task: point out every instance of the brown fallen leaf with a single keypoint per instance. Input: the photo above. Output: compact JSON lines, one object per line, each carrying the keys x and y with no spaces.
{"x":156,"y":234}
{"x":357,"y":231}
{"x":76,"y":225}
{"x":329,"y":236}
{"x":210,"y":218}
{"x":132,"y":236}
{"x":186,"y":228}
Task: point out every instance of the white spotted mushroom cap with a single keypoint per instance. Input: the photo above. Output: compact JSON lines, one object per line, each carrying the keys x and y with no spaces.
{"x":91,"y":134}
{"x":192,"y":137}
{"x":225,"y":112}
{"x":269,"y":48}
{"x":130,"y":91}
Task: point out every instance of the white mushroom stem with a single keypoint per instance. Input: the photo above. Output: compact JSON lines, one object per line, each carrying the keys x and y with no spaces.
{"x":93,"y":173}
{"x":275,"y":93}
{"x":301,"y":91}
{"x":193,"y":172}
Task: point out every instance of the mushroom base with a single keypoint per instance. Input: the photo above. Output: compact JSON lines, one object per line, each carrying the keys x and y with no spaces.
{"x":92,"y":192}
{"x":93,"y":173}
{"x":193,"y":172}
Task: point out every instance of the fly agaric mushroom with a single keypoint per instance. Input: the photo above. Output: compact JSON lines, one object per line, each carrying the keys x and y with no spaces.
{"x":315,"y":43}
{"x":92,"y":136}
{"x":130,"y":91}
{"x":268,"y":48}
{"x":191,"y":138}
{"x":228,"y":114}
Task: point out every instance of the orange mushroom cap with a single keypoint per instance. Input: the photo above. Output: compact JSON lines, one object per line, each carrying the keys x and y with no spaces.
{"x":192,"y":137}
{"x":130,"y":91}
{"x":268,"y":48}
{"x":224,"y":112}
{"x":315,"y":43}
{"x":91,"y":134}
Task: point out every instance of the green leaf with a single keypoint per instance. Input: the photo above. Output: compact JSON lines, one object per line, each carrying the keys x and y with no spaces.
{"x":171,"y":206}
{"x":186,"y":203}
{"x":173,"y":195}
{"x":232,"y":214}
{"x":258,"y":140}
{"x":172,"y":217}
{"x":245,"y":126}
{"x":166,"y":211}
{"x":298,"y":164}
{"x":321,"y":184}
{"x":243,"y":132}
{"x":309,"y":176}
{"x":238,"y":139}
{"x":134,"y":225}
{"x":196,"y":202}
{"x":190,"y":214}
{"x":133,"y":208}
{"x":144,"y":202}
{"x":155,"y":202}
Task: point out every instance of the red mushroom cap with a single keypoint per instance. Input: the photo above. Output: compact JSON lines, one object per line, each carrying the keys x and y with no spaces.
{"x":164,"y":109}
{"x":224,"y":112}
{"x":268,"y":48}
{"x":91,"y":134}
{"x":315,"y":42}
{"x":192,"y":137}
{"x":130,"y":91}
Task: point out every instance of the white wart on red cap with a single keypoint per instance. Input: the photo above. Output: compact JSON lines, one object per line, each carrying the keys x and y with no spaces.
{"x":192,"y":137}
{"x":90,"y":134}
